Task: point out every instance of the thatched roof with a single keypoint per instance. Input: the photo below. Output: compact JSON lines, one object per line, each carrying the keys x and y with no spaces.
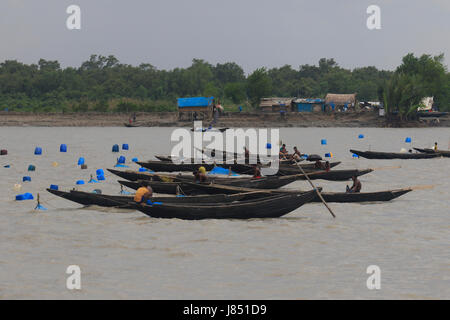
{"x":340,"y":99}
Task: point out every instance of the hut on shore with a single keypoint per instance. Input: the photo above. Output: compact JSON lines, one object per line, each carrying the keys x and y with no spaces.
{"x":196,"y":108}
{"x":308,"y":105}
{"x":275,"y":104}
{"x":340,"y":102}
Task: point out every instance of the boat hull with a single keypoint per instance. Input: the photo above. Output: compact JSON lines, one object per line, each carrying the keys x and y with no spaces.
{"x":393,"y":155}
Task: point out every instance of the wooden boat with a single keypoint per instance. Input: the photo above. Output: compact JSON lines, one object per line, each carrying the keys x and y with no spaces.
{"x":132,"y":125}
{"x":444,"y":153}
{"x":270,"y":207}
{"x":345,"y":197}
{"x":210,"y":129}
{"x":167,"y":166}
{"x":393,"y":155}
{"x":436,"y":114}
{"x":88,"y":199}
{"x":189,"y":187}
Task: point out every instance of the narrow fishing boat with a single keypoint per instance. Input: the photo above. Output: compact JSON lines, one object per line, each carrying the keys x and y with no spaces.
{"x":270,"y":207}
{"x":189,"y":187}
{"x":444,"y":153}
{"x":345,"y":197}
{"x":89,"y":199}
{"x":394,"y":155}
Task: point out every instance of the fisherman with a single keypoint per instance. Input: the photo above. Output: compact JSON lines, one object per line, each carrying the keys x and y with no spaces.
{"x":297,"y":155}
{"x":356,"y":187}
{"x":246,"y":154}
{"x":257,"y":173}
{"x":283,"y":152}
{"x":144,"y":193}
{"x":435,"y":148}
{"x":134,"y":117}
{"x":200,"y":175}
{"x":327,"y":166}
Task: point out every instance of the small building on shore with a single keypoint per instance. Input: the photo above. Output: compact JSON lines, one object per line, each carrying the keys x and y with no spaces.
{"x":275,"y":104}
{"x":195,"y":108}
{"x":308,"y":105}
{"x":340,"y":102}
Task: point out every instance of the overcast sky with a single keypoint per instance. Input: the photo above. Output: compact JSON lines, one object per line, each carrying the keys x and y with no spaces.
{"x":252,"y":33}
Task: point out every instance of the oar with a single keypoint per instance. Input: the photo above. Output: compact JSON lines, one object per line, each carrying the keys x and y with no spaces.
{"x":317,"y":191}
{"x":387,"y":168}
{"x":422,"y":187}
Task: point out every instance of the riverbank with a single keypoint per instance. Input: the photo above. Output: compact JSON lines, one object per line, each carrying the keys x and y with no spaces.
{"x":230,"y":119}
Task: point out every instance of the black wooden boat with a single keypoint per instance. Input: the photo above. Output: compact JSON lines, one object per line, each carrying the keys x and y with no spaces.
{"x":270,"y":207}
{"x":393,"y":155}
{"x":88,"y":199}
{"x":444,"y":153}
{"x":345,"y":197}
{"x":166,"y":166}
{"x":188,"y":187}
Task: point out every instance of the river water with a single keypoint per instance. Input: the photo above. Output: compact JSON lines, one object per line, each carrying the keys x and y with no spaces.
{"x":304,"y":255}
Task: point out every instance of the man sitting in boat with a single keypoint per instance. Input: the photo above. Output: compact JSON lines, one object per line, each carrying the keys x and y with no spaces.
{"x":200,"y":175}
{"x":144,"y":193}
{"x":324,"y":166}
{"x":356,"y":187}
{"x":283,"y":152}
{"x":297,"y":155}
{"x":257,"y":173}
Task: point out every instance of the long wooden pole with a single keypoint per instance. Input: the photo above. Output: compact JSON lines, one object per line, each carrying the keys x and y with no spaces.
{"x":317,"y":191}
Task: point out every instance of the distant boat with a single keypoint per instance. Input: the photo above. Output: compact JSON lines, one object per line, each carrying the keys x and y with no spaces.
{"x":394,"y":155}
{"x":132,"y":125}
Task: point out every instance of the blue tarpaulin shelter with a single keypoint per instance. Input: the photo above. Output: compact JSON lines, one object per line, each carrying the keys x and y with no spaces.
{"x":195,"y":102}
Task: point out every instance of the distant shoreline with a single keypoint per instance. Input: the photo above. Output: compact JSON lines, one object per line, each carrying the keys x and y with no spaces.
{"x":229,"y":119}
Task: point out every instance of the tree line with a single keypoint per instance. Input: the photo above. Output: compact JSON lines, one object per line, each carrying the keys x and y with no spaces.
{"x":104,"y":84}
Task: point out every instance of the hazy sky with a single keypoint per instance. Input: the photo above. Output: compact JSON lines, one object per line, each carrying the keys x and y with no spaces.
{"x":252,"y":33}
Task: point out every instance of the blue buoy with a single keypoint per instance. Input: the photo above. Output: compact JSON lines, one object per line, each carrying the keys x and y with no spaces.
{"x":125,"y":146}
{"x":355,"y":155}
{"x":323,"y":141}
{"x":121,"y":160}
{"x":80,"y":161}
{"x":80,"y":182}
{"x":31,"y":167}
{"x":54,"y":187}
{"x":361,"y":136}
{"x":40,"y":207}
{"x":135,"y":160}
{"x":100,"y":172}
{"x":115,"y":148}
{"x":101,"y":178}
{"x":408,"y":140}
{"x":63,"y":148}
{"x":26,"y":178}
{"x":269,"y":146}
{"x":25,"y":196}
{"x":327,"y":155}
{"x":7,"y":166}
{"x":143,"y":169}
{"x":38,"y":151}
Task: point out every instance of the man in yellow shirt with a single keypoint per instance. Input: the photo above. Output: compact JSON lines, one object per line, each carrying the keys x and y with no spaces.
{"x":144,"y":193}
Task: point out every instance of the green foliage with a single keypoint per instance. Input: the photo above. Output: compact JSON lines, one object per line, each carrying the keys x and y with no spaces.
{"x":413,"y":80}
{"x":103,"y":79}
{"x":259,"y":85}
